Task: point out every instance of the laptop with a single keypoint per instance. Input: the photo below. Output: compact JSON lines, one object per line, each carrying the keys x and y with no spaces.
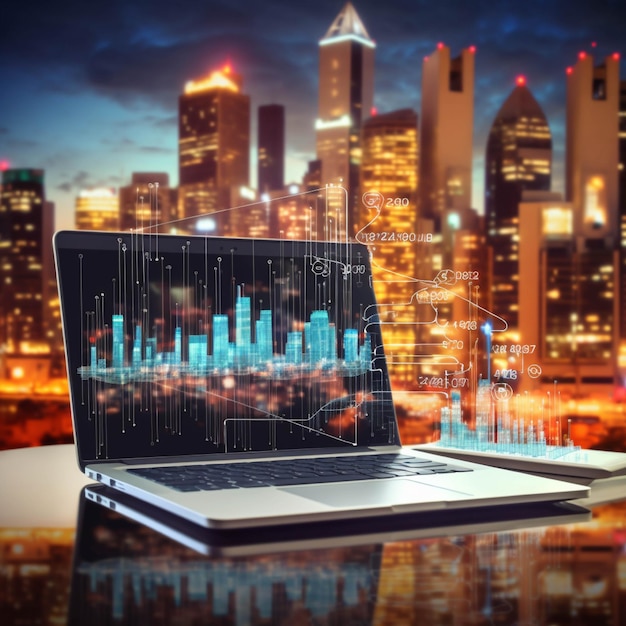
{"x":243,"y":382}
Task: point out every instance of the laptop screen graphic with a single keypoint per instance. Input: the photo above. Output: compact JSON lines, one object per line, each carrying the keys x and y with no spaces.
{"x":196,"y":345}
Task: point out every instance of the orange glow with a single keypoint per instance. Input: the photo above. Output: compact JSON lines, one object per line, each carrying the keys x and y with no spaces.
{"x":227,"y":69}
{"x":217,"y":80}
{"x":521,"y":80}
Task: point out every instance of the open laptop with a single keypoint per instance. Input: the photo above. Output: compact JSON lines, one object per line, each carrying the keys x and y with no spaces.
{"x":243,"y":382}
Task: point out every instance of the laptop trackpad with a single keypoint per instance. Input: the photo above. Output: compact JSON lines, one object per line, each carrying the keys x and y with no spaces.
{"x":375,"y":493}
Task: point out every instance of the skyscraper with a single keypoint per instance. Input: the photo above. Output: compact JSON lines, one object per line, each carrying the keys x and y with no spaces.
{"x":147,"y":202}
{"x":518,"y":158}
{"x":346,"y":92}
{"x":622,"y":198}
{"x":26,"y":224}
{"x":271,"y":147}
{"x":570,"y":298}
{"x":214,"y":143}
{"x":592,"y":159}
{"x":446,"y":133}
{"x":97,"y":209}
{"x":389,"y":173}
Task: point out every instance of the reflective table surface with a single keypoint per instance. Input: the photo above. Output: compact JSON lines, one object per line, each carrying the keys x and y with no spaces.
{"x":66,"y":557}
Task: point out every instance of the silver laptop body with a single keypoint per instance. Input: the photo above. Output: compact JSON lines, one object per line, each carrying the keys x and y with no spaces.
{"x":185,"y":351}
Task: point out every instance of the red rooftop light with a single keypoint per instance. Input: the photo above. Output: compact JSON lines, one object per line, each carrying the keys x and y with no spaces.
{"x":4,"y":165}
{"x":440,"y":46}
{"x":521,"y":80}
{"x":373,"y":111}
{"x":569,"y":70}
{"x":472,"y":49}
{"x":616,"y":56}
{"x":582,"y":55}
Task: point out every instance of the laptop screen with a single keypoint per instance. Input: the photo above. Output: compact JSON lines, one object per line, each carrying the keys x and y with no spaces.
{"x":196,"y":345}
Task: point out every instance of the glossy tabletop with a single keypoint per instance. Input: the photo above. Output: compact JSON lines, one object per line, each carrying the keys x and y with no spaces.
{"x":65,"y":558}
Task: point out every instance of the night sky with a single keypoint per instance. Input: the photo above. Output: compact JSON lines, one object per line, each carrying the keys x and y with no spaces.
{"x":89,"y":91}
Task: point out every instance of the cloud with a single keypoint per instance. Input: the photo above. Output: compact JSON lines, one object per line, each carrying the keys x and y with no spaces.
{"x":79,"y":180}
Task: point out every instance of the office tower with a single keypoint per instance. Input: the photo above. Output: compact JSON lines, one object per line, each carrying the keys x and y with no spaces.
{"x":388,"y":221}
{"x":570,"y":303}
{"x":346,"y":88}
{"x":622,"y":199}
{"x":592,"y":187}
{"x":26,"y":224}
{"x":446,"y":133}
{"x":592,"y":125}
{"x":97,"y":209}
{"x":214,"y":145}
{"x":148,"y":202}
{"x":518,"y":158}
{"x":271,"y":147}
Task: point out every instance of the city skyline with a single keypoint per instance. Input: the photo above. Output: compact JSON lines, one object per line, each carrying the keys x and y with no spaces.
{"x":97,"y":78}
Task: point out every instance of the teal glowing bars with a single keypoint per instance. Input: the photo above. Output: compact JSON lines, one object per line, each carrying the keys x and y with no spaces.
{"x":313,"y":347}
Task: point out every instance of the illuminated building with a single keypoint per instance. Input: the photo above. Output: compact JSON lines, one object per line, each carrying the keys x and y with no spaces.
{"x":622,"y":197}
{"x":214,"y":144}
{"x":147,"y":201}
{"x":97,"y":209}
{"x":518,"y":158}
{"x":446,"y":133}
{"x":27,"y":285}
{"x":570,"y":308}
{"x":346,"y":88}
{"x":271,"y":147}
{"x":591,"y":149}
{"x":389,"y":169}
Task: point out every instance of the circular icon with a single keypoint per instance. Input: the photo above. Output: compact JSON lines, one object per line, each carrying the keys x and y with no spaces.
{"x":320,"y":267}
{"x":502,"y":391}
{"x":373,"y":199}
{"x":445,"y":277}
{"x":534,"y":371}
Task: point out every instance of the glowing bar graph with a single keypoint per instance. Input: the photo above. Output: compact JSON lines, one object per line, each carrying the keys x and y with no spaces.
{"x":191,"y":355}
{"x":502,"y":434}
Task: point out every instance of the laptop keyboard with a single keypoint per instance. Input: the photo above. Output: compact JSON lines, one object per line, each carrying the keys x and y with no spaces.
{"x":304,"y":471}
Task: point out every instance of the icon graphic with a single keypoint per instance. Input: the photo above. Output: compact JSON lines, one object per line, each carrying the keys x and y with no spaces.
{"x":502,"y":391}
{"x":373,"y":200}
{"x":534,"y":371}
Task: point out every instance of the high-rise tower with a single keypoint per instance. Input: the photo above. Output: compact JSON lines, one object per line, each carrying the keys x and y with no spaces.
{"x":518,"y":158}
{"x":346,"y":92}
{"x":446,"y":133}
{"x":592,"y":147}
{"x":214,"y":142}
{"x":148,"y":203}
{"x":97,"y":209}
{"x":271,"y":147}
{"x":26,"y":224}
{"x":389,"y":188}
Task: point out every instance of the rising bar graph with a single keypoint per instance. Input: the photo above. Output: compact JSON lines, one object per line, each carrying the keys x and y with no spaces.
{"x":498,"y":429}
{"x":317,"y":353}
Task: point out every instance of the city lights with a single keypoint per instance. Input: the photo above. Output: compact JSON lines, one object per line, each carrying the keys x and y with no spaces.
{"x":534,"y":255}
